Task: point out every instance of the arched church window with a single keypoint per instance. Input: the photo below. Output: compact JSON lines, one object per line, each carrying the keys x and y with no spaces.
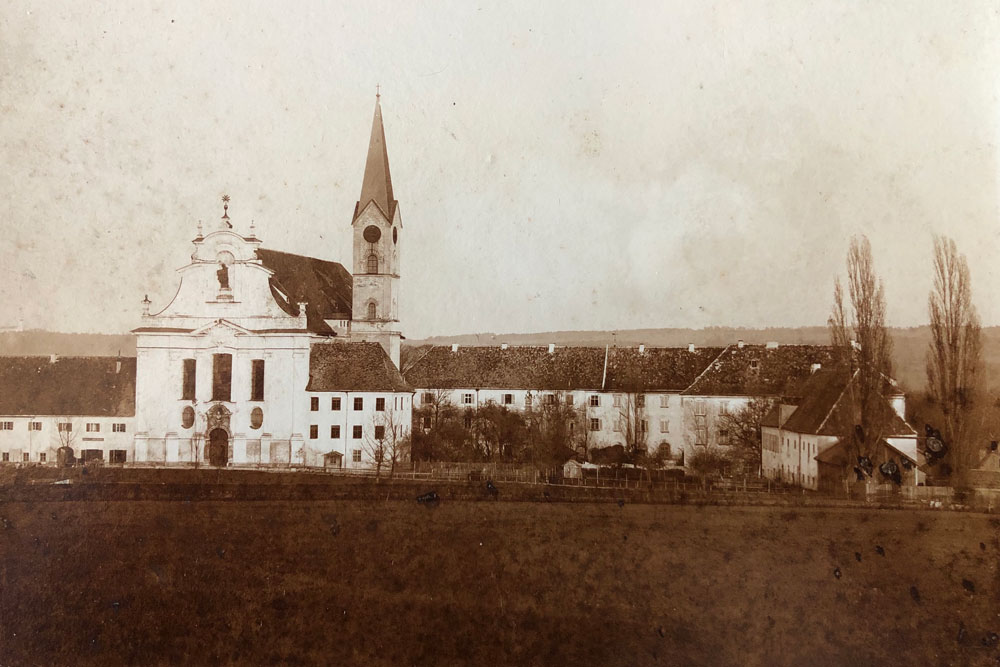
{"x":373,"y":263}
{"x":371,"y":310}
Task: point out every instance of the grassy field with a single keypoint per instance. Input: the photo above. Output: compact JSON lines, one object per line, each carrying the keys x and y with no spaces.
{"x":397,"y":583}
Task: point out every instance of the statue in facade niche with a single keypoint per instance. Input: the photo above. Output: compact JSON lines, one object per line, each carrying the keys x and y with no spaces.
{"x":223,"y":276}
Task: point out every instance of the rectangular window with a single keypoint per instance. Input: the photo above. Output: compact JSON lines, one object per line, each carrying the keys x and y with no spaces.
{"x":117,"y":456}
{"x":335,"y":432}
{"x":222,"y":377}
{"x":595,"y":401}
{"x":467,"y":399}
{"x":618,"y":400}
{"x":188,"y":383}
{"x":643,"y":426}
{"x":595,"y":424}
{"x":724,"y":408}
{"x":618,"y":426}
{"x":357,"y":432}
{"x":257,"y":380}
{"x":664,"y":400}
{"x":5,"y":456}
{"x":93,"y":427}
{"x":569,"y":399}
{"x":640,"y":400}
{"x":314,"y":403}
{"x":359,"y":403}
{"x":356,"y":456}
{"x":118,"y":428}
{"x":527,"y":400}
{"x":313,"y":431}
{"x":65,"y":427}
{"x":6,"y":426}
{"x":427,"y":398}
{"x":380,"y":405}
{"x":34,"y":426}
{"x":468,"y":421}
{"x":380,"y":433}
{"x":24,"y":457}
{"x":41,"y":457}
{"x":664,"y":426}
{"x":335,"y":403}
{"x":427,"y":422}
{"x":700,"y":430}
{"x":550,"y":399}
{"x":508,"y":399}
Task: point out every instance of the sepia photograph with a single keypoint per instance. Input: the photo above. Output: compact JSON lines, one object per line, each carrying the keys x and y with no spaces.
{"x":527,"y":333}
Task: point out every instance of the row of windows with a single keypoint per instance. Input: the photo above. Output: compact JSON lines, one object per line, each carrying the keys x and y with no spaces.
{"x":5,"y":457}
{"x":359,"y":403}
{"x":357,"y":432}
{"x":594,"y":400}
{"x":222,"y":378}
{"x":64,"y":427}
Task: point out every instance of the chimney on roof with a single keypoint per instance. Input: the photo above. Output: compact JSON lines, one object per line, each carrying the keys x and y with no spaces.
{"x":53,"y":358}
{"x":772,"y":345}
{"x":739,"y":343}
{"x":690,"y":347}
{"x":503,"y":346}
{"x":815,"y":367}
{"x":454,"y":347}
{"x":552,"y":348}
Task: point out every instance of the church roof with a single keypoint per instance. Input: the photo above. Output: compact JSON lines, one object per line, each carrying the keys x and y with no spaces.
{"x":325,"y":286}
{"x":72,"y":386}
{"x":345,"y":366}
{"x":377,"y":185}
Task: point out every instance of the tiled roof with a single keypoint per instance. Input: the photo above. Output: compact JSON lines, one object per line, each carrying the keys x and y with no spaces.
{"x":827,"y":404}
{"x":326,"y":287}
{"x":345,"y":366}
{"x":657,"y":368}
{"x":758,"y":370}
{"x":84,"y":386}
{"x":530,"y":367}
{"x":514,"y":368}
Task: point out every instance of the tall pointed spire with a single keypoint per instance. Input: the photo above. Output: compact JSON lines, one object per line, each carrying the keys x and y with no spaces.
{"x":377,"y":185}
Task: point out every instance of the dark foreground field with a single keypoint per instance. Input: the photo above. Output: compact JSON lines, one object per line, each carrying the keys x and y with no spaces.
{"x":351,"y":582}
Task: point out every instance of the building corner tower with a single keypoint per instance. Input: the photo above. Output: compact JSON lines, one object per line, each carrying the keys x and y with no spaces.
{"x":377,"y":231}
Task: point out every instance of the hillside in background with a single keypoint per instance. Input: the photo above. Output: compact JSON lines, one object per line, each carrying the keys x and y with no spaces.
{"x":910,"y":343}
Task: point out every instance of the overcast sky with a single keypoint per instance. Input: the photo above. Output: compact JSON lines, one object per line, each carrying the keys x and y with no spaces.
{"x":567,"y":165}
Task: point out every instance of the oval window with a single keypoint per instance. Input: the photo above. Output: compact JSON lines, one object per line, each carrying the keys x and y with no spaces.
{"x":395,"y":235}
{"x":256,"y":418}
{"x":187,"y":417}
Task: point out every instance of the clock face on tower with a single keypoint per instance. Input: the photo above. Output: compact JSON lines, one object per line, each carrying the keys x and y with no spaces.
{"x":372,"y":234}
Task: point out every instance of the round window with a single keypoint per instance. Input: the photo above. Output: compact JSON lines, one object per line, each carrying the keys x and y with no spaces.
{"x":372,"y":233}
{"x":187,"y":417}
{"x":256,"y":418}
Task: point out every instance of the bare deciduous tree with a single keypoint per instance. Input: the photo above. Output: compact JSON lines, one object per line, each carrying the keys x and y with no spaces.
{"x":866,"y":349}
{"x":387,"y":442}
{"x":743,"y":429}
{"x":954,"y":362}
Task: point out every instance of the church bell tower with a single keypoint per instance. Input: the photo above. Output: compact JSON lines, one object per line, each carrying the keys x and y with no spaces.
{"x":376,"y":229}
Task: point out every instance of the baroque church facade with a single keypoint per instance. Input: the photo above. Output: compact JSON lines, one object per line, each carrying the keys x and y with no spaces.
{"x":264,"y":357}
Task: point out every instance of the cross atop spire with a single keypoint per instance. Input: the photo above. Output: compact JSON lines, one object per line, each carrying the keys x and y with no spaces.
{"x":377,"y":184}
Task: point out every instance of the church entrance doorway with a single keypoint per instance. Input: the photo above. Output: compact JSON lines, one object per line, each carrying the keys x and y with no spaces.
{"x":218,"y":447}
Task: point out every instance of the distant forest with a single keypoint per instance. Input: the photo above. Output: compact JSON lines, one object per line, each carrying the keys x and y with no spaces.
{"x":910,"y":343}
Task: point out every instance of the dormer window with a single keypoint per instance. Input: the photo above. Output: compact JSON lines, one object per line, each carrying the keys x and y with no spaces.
{"x":372,"y":263}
